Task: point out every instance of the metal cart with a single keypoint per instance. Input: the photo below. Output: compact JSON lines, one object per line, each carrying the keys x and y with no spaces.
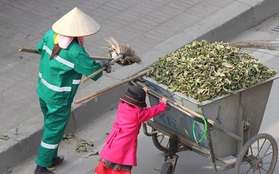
{"x":224,"y":129}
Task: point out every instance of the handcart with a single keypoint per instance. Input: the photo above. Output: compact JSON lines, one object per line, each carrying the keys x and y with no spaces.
{"x":225,"y":129}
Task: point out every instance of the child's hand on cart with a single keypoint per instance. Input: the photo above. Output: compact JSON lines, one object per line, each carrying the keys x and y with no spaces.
{"x":146,"y":89}
{"x":164,"y":100}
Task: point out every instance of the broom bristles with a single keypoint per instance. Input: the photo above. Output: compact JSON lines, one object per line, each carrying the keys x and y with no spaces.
{"x":117,"y":47}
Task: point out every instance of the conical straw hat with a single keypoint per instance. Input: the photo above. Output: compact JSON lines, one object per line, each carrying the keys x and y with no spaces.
{"x":76,"y":23}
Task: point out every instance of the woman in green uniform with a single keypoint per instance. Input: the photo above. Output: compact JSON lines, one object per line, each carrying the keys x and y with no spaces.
{"x":62,"y":64}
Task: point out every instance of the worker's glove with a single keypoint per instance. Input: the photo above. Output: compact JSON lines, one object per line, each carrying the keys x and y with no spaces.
{"x":107,"y":64}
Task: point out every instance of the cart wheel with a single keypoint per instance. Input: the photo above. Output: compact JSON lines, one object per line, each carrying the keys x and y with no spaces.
{"x":161,"y":142}
{"x":259,"y":154}
{"x":166,"y":168}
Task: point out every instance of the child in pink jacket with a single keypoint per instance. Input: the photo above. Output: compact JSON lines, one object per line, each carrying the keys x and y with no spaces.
{"x":119,"y":152}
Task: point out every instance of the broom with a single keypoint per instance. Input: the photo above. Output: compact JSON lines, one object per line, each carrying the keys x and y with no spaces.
{"x":116,"y":48}
{"x":121,"y":53}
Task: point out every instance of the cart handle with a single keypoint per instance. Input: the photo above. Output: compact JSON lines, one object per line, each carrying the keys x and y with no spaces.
{"x":177,"y":104}
{"x":204,"y":132}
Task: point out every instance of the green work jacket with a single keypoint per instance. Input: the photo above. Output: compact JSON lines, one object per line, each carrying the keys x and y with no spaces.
{"x":59,"y":78}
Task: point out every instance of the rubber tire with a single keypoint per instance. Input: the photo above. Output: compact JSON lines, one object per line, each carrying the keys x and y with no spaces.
{"x":249,"y":143}
{"x":166,"y":168}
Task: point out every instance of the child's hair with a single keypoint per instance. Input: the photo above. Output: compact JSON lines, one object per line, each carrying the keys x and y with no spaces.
{"x":135,"y":96}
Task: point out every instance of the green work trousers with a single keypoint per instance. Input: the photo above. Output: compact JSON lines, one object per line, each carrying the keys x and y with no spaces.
{"x":55,"y":120}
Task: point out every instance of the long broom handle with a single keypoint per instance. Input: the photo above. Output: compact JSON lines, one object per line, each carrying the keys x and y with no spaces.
{"x":93,"y":74}
{"x":111,"y":87}
{"x":27,"y":50}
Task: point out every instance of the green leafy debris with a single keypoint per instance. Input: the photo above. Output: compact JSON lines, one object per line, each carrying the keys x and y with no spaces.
{"x":206,"y":70}
{"x":4,"y":137}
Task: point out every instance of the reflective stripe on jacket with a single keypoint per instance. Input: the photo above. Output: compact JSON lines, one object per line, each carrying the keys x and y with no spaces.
{"x":59,"y":78}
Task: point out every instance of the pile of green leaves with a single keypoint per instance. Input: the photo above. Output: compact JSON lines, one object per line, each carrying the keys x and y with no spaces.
{"x":206,"y":70}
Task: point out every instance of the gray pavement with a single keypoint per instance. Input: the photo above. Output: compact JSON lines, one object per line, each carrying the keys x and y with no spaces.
{"x":153,"y":28}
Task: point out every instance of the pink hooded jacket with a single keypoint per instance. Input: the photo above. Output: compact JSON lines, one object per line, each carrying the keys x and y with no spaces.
{"x":121,"y":144}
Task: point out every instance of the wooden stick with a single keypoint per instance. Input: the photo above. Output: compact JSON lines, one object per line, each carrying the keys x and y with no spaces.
{"x":261,"y":44}
{"x":111,"y":87}
{"x":100,"y":70}
{"x":27,"y":50}
{"x":93,"y":74}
